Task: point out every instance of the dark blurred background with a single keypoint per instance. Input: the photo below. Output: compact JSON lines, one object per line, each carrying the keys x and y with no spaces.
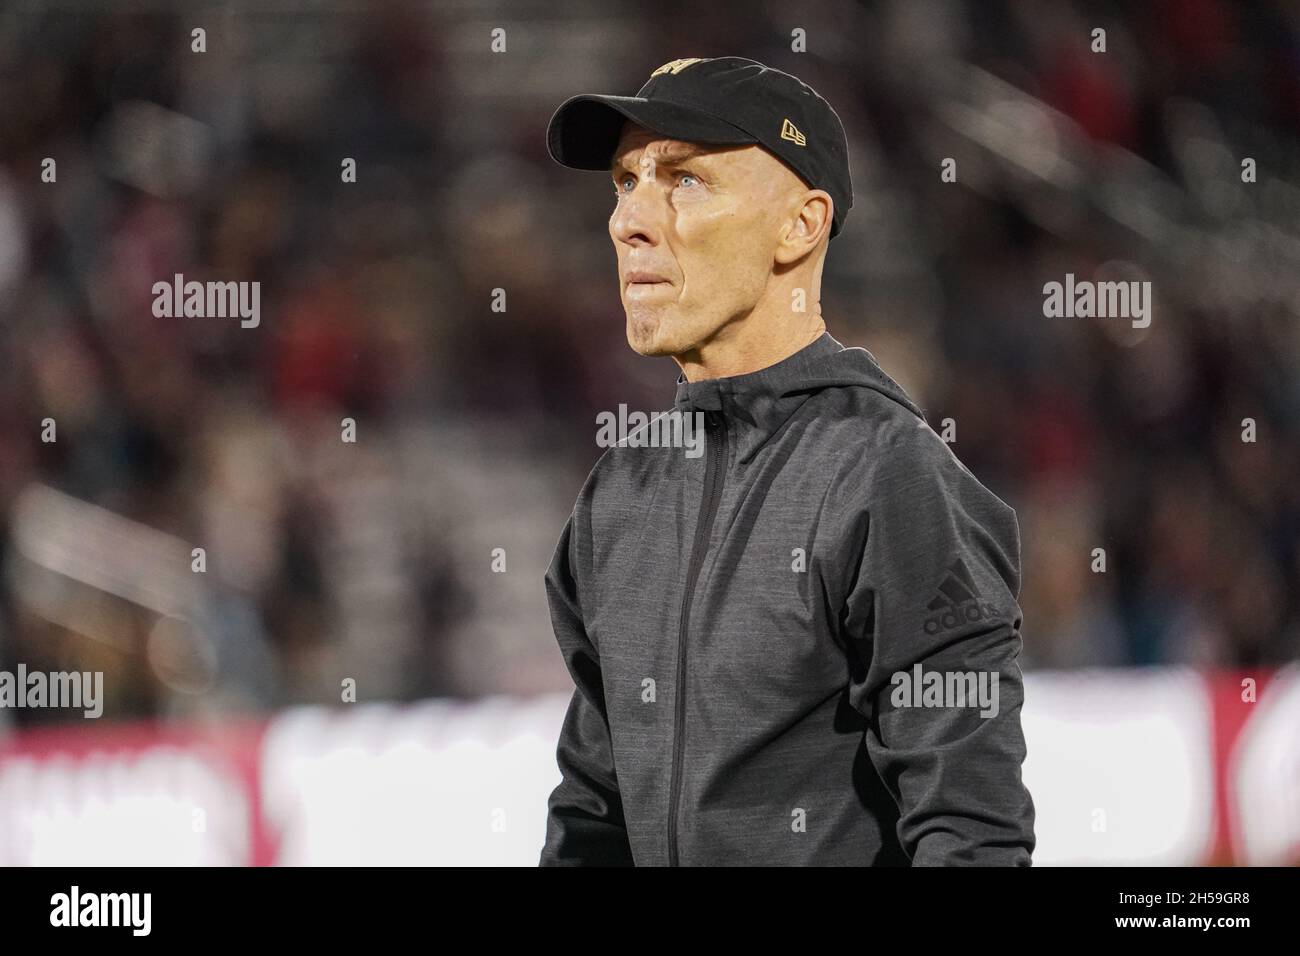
{"x":475,"y":428}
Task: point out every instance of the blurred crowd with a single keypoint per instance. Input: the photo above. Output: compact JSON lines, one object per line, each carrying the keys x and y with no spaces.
{"x":411,"y":560}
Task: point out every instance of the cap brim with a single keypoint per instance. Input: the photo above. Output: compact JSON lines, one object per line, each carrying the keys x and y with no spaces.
{"x":585,"y":130}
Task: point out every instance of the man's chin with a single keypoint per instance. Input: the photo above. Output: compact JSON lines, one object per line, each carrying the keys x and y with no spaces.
{"x":646,"y":336}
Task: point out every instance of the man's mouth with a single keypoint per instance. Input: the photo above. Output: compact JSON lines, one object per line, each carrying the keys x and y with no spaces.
{"x":644,"y":278}
{"x":645,"y":283}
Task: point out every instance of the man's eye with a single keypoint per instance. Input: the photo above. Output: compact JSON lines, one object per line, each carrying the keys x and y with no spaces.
{"x":682,"y":180}
{"x":622,"y":185}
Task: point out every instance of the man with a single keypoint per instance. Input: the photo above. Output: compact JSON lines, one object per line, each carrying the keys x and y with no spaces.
{"x":800,"y":647}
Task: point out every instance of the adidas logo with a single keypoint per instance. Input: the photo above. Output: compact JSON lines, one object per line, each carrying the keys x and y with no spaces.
{"x":791,"y":132}
{"x":958,"y":601}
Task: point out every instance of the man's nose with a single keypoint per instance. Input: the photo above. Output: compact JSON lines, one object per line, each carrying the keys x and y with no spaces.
{"x":638,"y":218}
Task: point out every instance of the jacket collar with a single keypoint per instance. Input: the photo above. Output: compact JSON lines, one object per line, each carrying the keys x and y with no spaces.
{"x":757,"y":404}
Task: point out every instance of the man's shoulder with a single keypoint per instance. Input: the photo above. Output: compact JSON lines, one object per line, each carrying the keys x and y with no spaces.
{"x":885,"y":448}
{"x":625,"y":470}
{"x":867,"y":423}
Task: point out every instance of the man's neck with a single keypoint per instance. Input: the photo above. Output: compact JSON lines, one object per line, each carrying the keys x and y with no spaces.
{"x":751,"y":347}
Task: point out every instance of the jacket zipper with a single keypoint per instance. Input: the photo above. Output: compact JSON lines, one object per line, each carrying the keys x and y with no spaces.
{"x":715,"y":470}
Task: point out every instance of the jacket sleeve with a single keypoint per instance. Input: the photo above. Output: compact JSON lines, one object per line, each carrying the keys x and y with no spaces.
{"x":933,"y":613}
{"x":584,"y":825}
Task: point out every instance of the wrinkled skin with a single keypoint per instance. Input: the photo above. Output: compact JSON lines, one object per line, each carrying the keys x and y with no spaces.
{"x":712,"y":244}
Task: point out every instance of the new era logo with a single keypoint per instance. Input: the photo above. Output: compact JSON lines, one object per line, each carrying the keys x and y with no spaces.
{"x":791,"y":132}
{"x":958,"y":601}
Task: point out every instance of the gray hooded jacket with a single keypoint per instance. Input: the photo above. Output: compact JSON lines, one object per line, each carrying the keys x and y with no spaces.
{"x":799,"y":648}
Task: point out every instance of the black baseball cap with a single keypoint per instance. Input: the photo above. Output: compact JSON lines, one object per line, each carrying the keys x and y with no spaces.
{"x":725,"y":100}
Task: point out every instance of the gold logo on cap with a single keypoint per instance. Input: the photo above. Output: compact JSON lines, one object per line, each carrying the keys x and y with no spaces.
{"x":791,"y":132}
{"x":675,"y":66}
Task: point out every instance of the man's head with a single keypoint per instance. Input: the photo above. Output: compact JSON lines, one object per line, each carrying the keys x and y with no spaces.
{"x":730,"y":180}
{"x":704,"y":234}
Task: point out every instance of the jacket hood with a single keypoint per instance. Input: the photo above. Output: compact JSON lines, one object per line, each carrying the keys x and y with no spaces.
{"x":759,"y":403}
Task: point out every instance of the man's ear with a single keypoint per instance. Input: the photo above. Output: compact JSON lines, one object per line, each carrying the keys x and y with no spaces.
{"x":811,"y":223}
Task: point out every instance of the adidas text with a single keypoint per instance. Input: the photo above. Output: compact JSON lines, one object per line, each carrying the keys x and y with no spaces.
{"x":956,"y":616}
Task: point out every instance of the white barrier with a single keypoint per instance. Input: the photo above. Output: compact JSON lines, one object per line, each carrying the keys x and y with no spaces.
{"x":1125,"y":767}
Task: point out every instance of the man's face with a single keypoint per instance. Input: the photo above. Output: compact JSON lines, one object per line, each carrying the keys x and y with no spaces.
{"x":695,"y":228}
